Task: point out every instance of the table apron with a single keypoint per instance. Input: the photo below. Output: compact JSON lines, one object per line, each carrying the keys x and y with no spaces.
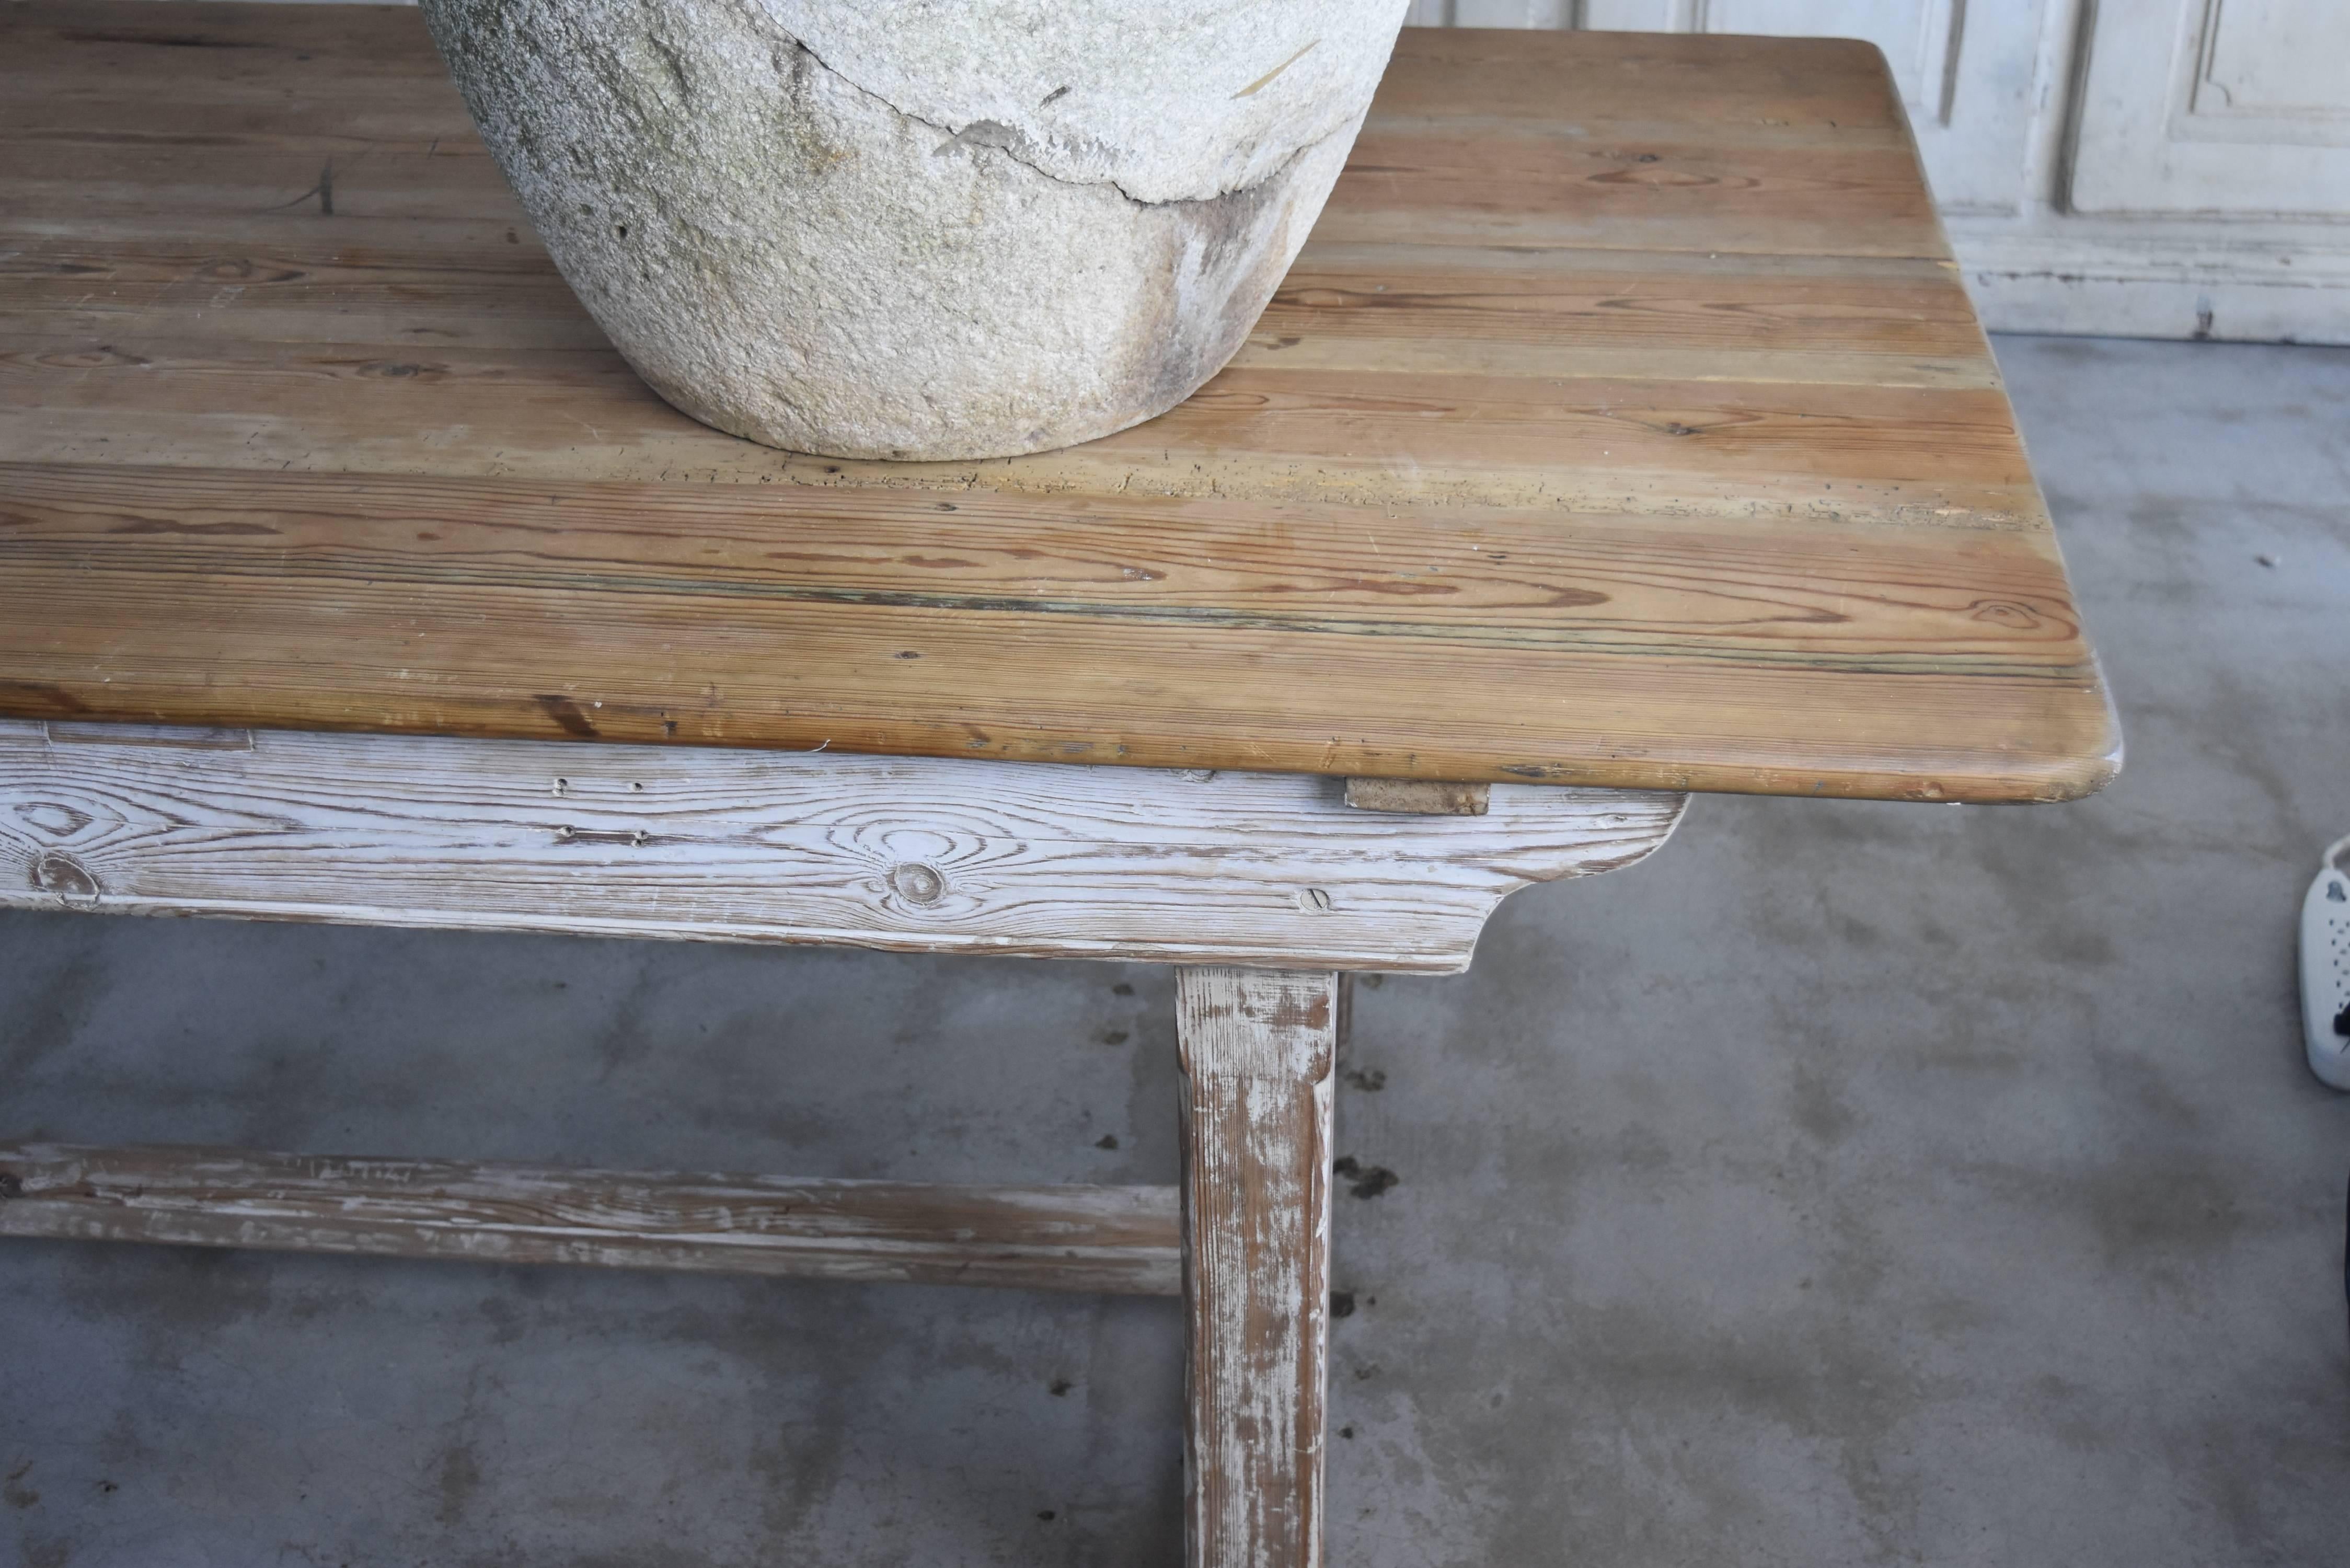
{"x":903,"y":853}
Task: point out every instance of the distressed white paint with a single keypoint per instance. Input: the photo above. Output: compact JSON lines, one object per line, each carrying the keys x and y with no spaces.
{"x":916,"y":854}
{"x":1258,"y":1050}
{"x":2277,"y":60}
{"x":1114,"y":1238}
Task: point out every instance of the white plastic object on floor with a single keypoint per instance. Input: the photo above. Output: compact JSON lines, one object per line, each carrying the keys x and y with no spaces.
{"x":2325,"y":966}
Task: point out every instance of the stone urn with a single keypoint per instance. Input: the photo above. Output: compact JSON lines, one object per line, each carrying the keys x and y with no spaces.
{"x":921,"y":229}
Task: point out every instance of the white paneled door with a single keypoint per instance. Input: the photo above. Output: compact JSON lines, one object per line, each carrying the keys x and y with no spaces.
{"x":2163,"y":168}
{"x":2216,"y":106}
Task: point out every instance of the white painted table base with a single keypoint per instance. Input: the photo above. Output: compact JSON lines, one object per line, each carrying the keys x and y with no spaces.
{"x":1264,"y":886}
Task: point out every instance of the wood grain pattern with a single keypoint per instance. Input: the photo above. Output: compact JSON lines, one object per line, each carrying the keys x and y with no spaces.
{"x":1111,"y":1239}
{"x":1624,"y":422}
{"x":917,"y":853}
{"x":1258,"y":1050}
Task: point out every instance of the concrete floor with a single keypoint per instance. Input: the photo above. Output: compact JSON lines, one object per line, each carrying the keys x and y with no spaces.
{"x":1849,"y":1184}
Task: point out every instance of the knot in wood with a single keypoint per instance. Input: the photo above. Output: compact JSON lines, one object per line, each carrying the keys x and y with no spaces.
{"x":2005,"y":612}
{"x":57,"y":820}
{"x":59,"y":873}
{"x":916,"y":883}
{"x":11,"y":1185}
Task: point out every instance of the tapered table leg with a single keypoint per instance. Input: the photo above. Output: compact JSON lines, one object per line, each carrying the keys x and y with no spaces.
{"x":1257,"y":1048}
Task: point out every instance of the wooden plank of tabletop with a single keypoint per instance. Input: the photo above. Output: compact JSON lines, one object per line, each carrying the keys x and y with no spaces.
{"x":1624,"y":422}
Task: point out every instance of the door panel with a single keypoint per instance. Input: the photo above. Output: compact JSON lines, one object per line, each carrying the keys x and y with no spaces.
{"x":2212,"y":106}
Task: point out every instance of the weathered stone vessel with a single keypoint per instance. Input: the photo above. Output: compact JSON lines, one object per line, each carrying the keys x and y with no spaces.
{"x":921,"y":229}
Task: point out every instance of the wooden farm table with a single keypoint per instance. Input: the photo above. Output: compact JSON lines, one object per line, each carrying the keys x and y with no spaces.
{"x":1622,"y":432}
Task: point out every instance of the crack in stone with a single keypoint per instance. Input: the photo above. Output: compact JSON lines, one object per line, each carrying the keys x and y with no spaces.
{"x":1016,"y":144}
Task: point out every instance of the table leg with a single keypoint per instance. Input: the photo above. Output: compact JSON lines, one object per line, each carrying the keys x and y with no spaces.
{"x":1257,"y":1051}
